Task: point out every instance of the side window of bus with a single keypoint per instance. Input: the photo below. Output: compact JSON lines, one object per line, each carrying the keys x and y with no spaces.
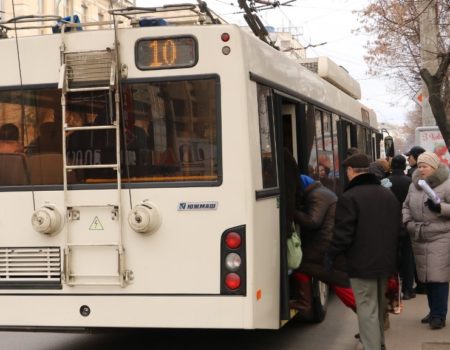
{"x":267,"y":137}
{"x":311,"y":142}
{"x":324,"y":159}
{"x":325,"y":166}
{"x":364,"y":140}
{"x":336,"y":161}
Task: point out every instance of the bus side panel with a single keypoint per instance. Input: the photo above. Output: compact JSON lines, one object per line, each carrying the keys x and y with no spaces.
{"x":265,"y":216}
{"x":266,"y":275}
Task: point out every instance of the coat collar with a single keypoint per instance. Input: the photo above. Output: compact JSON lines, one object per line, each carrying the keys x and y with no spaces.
{"x":363,"y":179}
{"x":439,"y":176}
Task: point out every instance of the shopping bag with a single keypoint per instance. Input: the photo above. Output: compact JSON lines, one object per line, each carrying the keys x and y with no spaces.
{"x":294,"y":250}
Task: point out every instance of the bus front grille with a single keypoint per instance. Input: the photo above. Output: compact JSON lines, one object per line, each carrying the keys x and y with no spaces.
{"x":30,"y":267}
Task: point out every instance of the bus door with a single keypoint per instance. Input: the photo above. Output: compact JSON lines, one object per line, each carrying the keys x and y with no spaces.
{"x":286,"y":116}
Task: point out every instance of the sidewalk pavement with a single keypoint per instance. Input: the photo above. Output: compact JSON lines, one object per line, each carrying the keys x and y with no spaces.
{"x":407,"y":333}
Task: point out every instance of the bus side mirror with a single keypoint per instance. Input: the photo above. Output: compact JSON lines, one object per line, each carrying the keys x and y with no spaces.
{"x":389,"y":147}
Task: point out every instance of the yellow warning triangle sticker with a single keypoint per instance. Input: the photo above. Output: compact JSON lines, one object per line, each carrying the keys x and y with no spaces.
{"x":96,"y":224}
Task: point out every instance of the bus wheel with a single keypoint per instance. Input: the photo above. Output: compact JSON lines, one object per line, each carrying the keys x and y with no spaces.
{"x":320,"y":300}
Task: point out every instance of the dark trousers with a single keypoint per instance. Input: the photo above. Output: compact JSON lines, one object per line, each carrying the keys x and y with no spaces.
{"x":407,"y":265}
{"x":437,"y":294}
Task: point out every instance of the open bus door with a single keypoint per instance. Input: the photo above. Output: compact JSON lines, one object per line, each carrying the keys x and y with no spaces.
{"x":284,"y":278}
{"x":288,"y":124}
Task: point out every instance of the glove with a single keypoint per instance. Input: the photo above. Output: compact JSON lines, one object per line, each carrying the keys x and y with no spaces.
{"x":433,"y":206}
{"x":328,"y":262}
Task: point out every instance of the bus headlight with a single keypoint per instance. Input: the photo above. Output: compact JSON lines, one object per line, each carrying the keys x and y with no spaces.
{"x":46,"y":219}
{"x":144,"y":218}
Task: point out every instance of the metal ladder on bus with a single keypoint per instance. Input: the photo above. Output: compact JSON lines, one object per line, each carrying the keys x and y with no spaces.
{"x":81,"y":72}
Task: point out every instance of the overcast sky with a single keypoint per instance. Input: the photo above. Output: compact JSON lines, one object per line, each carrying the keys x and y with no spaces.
{"x":330,"y":21}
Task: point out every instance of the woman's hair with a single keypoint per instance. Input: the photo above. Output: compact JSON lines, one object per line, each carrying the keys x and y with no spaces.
{"x":9,"y":132}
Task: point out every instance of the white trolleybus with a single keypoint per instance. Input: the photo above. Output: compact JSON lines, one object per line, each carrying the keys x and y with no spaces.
{"x":141,"y":173}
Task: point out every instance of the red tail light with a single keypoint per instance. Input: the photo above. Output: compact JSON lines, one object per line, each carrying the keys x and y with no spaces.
{"x":225,"y":37}
{"x":233,"y":281}
{"x":233,"y":266}
{"x":233,"y":240}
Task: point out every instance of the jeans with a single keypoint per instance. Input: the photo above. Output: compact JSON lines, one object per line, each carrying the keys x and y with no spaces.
{"x":437,"y":294}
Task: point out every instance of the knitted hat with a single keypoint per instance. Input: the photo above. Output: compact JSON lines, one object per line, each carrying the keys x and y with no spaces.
{"x":358,"y":160}
{"x":398,"y":162}
{"x":429,"y":158}
{"x":306,"y":181}
{"x":415,"y":152}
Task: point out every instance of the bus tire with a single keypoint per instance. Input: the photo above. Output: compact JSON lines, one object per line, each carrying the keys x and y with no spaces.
{"x":320,"y":300}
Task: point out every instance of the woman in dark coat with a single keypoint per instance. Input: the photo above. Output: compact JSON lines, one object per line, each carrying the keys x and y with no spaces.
{"x":429,"y":227}
{"x":316,"y":219}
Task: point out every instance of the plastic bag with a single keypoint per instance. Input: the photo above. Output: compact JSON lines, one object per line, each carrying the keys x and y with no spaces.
{"x":294,"y":251}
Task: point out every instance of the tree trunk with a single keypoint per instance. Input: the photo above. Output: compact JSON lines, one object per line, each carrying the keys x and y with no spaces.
{"x":434,"y":84}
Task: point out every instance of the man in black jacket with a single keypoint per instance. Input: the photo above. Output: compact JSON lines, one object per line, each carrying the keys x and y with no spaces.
{"x":367,"y":226}
{"x":400,"y":185}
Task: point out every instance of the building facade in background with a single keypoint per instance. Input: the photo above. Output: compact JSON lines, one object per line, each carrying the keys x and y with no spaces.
{"x":87,"y":10}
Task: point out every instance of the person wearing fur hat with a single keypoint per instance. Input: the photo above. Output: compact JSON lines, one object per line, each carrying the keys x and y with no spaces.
{"x":428,"y":224}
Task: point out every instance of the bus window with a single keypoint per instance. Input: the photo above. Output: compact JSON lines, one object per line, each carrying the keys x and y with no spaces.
{"x":336,"y":160}
{"x":171,"y":130}
{"x":35,"y":114}
{"x":325,"y":167}
{"x":90,"y":147}
{"x":266,"y":132}
{"x":311,"y":147}
{"x":364,"y":140}
{"x":328,"y":156}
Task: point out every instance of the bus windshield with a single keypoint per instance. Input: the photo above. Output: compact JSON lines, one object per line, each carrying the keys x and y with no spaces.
{"x":168,"y":134}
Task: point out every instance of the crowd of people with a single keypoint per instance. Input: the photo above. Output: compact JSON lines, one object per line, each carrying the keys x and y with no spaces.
{"x":386,"y":223}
